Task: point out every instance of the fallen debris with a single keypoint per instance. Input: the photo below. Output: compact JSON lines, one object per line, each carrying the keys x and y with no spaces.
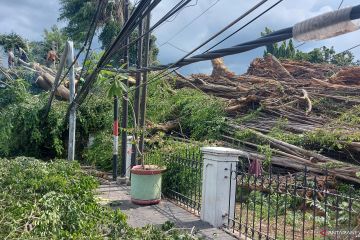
{"x":295,"y":107}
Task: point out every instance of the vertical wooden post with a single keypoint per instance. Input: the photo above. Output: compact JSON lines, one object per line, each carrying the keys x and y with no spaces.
{"x":125,"y":103}
{"x":144,"y":85}
{"x":137,"y":95}
{"x":72,"y":116}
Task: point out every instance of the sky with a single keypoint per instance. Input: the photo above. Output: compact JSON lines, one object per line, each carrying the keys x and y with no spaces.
{"x":30,"y":17}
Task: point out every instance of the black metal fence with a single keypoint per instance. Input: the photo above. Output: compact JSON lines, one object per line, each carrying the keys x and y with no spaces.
{"x":182,"y":180}
{"x":293,"y":206}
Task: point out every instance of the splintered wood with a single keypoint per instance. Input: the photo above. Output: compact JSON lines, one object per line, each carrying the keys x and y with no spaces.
{"x":296,"y":97}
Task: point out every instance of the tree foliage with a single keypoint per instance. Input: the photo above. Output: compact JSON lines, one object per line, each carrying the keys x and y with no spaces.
{"x":52,"y":38}
{"x":201,"y":116}
{"x":25,"y":132}
{"x":55,"y":37}
{"x":78,"y":14}
{"x":324,"y":54}
{"x":56,"y":200}
{"x":12,"y":40}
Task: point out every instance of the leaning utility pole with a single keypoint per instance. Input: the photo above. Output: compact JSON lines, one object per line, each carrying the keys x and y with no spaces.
{"x":137,"y":95}
{"x":57,"y":80}
{"x":72,"y":115}
{"x":125,"y":103}
{"x":144,"y":84}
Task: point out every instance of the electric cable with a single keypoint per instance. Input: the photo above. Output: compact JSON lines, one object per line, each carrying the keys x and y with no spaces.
{"x":167,"y":67}
{"x":342,"y":1}
{"x":125,"y":32}
{"x":178,"y":48}
{"x":353,"y":47}
{"x":191,"y":22}
{"x":301,"y":44}
{"x":177,"y":14}
{"x":92,"y":27}
{"x":248,"y":23}
{"x":282,"y":34}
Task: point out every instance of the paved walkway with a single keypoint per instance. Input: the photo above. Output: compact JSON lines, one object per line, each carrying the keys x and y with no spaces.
{"x":118,"y":196}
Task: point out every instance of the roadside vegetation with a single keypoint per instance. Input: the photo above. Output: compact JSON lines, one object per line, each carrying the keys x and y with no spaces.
{"x":45,"y":197}
{"x":57,"y":200}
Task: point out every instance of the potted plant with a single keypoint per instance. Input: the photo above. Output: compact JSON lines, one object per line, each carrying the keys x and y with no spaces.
{"x":146,"y":181}
{"x":146,"y":184}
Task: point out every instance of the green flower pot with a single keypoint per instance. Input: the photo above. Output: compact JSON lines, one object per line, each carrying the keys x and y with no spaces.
{"x":146,"y":184}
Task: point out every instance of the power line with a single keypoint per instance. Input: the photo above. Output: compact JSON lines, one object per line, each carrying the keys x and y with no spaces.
{"x":177,"y":64}
{"x":341,"y":3}
{"x":301,"y":44}
{"x":191,"y":22}
{"x":93,"y":25}
{"x":181,"y":11}
{"x":248,"y":23}
{"x":92,"y":29}
{"x":220,"y":32}
{"x":176,"y":8}
{"x":277,"y":36}
{"x":273,"y":37}
{"x":210,"y":39}
{"x":178,"y":48}
{"x":128,"y":27}
{"x":353,"y":47}
{"x":125,"y":32}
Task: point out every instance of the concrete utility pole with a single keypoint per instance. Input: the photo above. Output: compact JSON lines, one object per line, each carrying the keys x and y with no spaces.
{"x":144,"y":84}
{"x":72,"y":115}
{"x":125,"y":103}
{"x":137,"y":94}
{"x":116,"y":138}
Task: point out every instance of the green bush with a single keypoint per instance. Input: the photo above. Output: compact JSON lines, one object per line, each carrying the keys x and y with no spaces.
{"x":99,"y":154}
{"x":56,"y":200}
{"x":25,"y":131}
{"x":200,"y":116}
{"x":183,"y":163}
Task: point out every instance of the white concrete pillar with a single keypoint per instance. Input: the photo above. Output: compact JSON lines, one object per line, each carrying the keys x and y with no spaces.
{"x":128,"y":156}
{"x":216,"y":189}
{"x":126,"y":179}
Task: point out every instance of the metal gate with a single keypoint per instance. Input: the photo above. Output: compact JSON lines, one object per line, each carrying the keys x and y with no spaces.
{"x":293,"y":206}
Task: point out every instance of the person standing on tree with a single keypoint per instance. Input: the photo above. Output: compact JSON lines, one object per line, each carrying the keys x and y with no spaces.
{"x":22,"y":54}
{"x":51,"y":58}
{"x":11,"y":58}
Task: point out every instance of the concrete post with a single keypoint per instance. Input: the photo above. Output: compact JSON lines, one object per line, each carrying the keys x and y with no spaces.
{"x":126,"y":179}
{"x":72,"y":116}
{"x":128,"y":156}
{"x":218,"y":191}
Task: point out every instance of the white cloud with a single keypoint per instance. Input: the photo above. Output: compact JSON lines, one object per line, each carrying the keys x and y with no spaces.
{"x":285,"y":14}
{"x":28,"y":17}
{"x":31,"y":17}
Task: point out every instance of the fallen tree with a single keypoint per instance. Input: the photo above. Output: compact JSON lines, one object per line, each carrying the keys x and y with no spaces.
{"x":306,"y":113}
{"x":46,"y":79}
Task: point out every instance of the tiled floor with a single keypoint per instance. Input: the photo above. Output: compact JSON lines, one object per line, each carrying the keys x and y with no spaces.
{"x":118,"y":196}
